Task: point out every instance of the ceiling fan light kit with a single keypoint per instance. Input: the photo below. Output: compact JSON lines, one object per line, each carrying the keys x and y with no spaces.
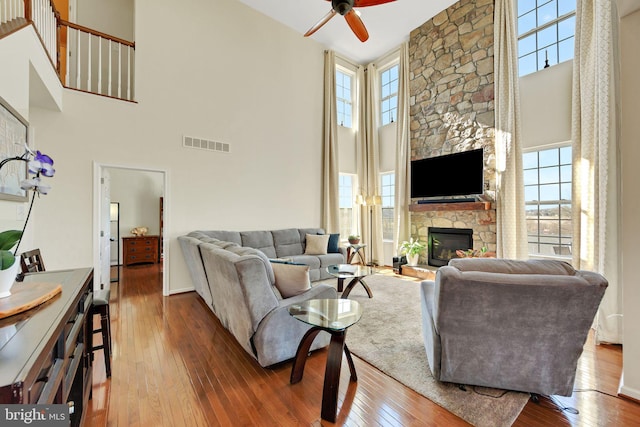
{"x":345,"y":8}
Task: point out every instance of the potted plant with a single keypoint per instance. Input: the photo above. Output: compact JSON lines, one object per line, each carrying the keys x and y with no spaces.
{"x":412,"y":249}
{"x":39,"y":164}
{"x":354,"y":239}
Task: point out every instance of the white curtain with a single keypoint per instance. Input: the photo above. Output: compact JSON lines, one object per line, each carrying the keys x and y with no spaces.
{"x":402,"y":222}
{"x":510,"y":215}
{"x":368,"y":164}
{"x":595,"y":157}
{"x":330,"y":176}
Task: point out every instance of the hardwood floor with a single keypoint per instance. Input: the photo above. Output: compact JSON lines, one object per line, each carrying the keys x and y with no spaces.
{"x":175,"y":365}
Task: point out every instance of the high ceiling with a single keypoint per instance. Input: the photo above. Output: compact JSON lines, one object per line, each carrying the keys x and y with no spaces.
{"x":388,"y":24}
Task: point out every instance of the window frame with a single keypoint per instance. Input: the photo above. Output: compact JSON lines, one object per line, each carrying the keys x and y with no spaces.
{"x":347,"y":102}
{"x":382,"y":71}
{"x":560,"y":203}
{"x":540,"y":63}
{"x":388,"y":200}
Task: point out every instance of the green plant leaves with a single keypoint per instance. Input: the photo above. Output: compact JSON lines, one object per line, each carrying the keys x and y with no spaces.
{"x":9,"y":238}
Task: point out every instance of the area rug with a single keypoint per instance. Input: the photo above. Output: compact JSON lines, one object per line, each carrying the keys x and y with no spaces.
{"x":389,"y":337}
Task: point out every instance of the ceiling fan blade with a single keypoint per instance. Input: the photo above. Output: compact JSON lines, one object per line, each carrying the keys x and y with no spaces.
{"x":357,"y":26}
{"x":365,"y":3}
{"x":320,"y":23}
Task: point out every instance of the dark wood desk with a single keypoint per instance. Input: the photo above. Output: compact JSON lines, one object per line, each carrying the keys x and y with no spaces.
{"x":45,"y":352}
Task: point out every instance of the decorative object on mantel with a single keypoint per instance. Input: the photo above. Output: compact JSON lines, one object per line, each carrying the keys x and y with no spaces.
{"x":39,"y":165}
{"x":475,"y":253}
{"x":140,"y":231}
{"x":354,"y":239}
{"x":412,"y":249}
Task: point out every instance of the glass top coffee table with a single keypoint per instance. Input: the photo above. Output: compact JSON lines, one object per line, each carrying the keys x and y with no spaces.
{"x":355,"y":272}
{"x":333,"y":316}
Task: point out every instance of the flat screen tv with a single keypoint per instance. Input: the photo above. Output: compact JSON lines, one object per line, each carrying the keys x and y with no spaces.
{"x":458,"y":174}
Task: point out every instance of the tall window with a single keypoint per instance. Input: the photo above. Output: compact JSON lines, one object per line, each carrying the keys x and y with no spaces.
{"x":389,"y":95}
{"x":346,"y":186}
{"x":547,"y":190}
{"x":388,"y":201}
{"x":344,"y":98}
{"x":545,"y":32}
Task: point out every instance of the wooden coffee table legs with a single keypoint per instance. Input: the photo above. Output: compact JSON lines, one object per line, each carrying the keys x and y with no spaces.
{"x":352,"y":283}
{"x":332,"y":370}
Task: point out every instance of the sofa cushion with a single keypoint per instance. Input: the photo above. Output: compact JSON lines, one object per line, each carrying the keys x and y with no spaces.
{"x":312,"y":261}
{"x":330,"y":259}
{"x":227,"y":236}
{"x":262,"y":240}
{"x":287,"y":242}
{"x":316,"y":244}
{"x":511,"y":266}
{"x":291,"y":279}
{"x":242,"y":250}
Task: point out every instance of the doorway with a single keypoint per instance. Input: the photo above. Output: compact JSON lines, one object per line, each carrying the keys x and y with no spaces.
{"x":138,"y":192}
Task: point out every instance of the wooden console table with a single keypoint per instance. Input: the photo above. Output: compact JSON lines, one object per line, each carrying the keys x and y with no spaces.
{"x":139,"y":250}
{"x":46,"y":351}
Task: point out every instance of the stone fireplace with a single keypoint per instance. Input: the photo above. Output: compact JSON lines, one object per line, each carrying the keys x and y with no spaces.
{"x":452,"y":110}
{"x":444,"y":242}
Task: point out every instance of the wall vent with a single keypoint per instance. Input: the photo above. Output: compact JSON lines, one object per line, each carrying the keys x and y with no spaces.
{"x":205,"y":144}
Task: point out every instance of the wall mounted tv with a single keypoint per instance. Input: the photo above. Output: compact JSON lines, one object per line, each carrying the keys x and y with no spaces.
{"x":458,"y":174}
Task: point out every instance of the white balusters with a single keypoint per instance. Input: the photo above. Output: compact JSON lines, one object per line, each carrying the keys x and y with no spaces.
{"x":89,"y":58}
{"x":119,"y":70}
{"x":110,"y":69}
{"x":85,"y":67}
{"x":10,"y":10}
{"x":99,"y":64}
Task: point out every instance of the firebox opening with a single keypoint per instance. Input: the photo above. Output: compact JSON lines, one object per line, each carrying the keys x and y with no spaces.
{"x":443,"y":243}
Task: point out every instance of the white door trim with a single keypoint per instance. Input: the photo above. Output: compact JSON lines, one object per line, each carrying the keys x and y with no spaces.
{"x":97,"y":174}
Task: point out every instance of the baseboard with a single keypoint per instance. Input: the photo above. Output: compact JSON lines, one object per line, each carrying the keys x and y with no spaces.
{"x":629,"y":393}
{"x":182,"y":290}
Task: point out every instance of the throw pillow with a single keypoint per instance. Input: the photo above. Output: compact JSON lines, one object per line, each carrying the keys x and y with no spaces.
{"x":334,"y":243}
{"x":291,"y":279}
{"x":317,"y":244}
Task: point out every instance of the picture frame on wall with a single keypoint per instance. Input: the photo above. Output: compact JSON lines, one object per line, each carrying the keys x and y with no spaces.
{"x":14,"y":130}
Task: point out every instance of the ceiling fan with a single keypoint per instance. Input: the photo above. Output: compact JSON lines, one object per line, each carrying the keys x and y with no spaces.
{"x":345,"y":8}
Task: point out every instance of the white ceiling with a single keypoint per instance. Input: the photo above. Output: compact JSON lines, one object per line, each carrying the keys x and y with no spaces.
{"x":388,"y":24}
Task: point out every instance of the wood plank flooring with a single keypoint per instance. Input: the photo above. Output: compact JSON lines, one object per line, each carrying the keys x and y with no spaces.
{"x":175,"y":365}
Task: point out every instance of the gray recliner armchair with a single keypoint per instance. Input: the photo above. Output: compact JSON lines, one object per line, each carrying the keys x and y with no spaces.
{"x":513,"y":325}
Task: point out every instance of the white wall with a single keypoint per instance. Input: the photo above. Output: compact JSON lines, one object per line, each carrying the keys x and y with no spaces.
{"x":113,"y":17}
{"x":545,"y":100}
{"x":630,"y":154}
{"x":26,"y":78}
{"x":214,"y":75}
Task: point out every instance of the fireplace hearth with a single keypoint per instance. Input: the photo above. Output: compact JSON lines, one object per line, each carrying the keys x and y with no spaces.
{"x":443,"y":243}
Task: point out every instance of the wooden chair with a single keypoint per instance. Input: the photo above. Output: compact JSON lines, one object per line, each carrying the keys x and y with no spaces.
{"x":31,"y":262}
{"x":101,"y":306}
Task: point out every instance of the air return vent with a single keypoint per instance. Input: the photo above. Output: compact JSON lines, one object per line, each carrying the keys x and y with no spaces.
{"x":205,"y":144}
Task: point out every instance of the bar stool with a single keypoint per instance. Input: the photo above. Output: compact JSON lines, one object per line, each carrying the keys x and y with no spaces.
{"x":101,"y":306}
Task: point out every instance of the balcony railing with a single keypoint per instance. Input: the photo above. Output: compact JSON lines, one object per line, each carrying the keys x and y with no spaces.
{"x":84,"y":59}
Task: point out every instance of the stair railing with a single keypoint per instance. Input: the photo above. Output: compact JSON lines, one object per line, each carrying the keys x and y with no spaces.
{"x":84,"y":59}
{"x":100,"y":63}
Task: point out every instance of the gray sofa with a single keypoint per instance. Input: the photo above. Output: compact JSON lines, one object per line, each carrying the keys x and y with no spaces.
{"x":514,"y":325}
{"x":232,"y":273}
